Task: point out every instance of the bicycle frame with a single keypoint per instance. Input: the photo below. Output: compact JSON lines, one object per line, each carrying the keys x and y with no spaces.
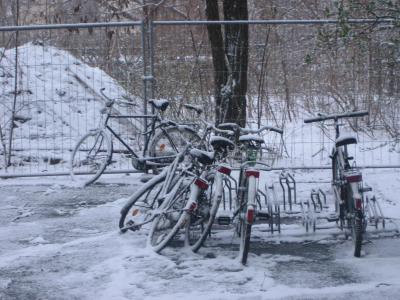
{"x":148,"y":134}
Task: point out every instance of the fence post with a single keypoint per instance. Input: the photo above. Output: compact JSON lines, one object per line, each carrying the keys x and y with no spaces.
{"x":148,"y":66}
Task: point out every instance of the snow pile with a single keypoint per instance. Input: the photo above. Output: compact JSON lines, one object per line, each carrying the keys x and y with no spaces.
{"x":58,"y":100}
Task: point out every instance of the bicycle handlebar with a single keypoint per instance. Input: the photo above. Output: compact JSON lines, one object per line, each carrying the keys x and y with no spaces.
{"x":337,"y":116}
{"x":255,"y":131}
{"x":110,"y":102}
{"x":215,"y":129}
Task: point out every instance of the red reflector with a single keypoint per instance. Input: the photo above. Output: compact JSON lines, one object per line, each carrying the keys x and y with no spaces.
{"x":358,"y":204}
{"x":192,"y":207}
{"x":354,"y":178}
{"x":254,"y":173}
{"x":224,"y":170}
{"x":250,"y":216}
{"x":202,"y":184}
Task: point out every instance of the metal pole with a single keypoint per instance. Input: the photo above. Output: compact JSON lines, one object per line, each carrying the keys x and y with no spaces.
{"x":68,"y":26}
{"x":151,"y":58}
{"x":143,"y":27}
{"x":281,"y":22}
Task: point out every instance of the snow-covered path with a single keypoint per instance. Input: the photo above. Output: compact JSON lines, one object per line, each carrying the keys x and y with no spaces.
{"x":62,"y":242}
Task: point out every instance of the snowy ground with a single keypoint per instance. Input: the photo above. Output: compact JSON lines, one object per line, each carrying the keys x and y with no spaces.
{"x":59,"y":241}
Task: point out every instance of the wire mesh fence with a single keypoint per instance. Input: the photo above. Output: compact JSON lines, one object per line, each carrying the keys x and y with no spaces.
{"x":51,"y":91}
{"x":51,"y":87}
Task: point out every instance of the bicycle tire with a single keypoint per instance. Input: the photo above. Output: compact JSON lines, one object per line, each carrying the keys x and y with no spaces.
{"x":357,"y":230}
{"x":91,"y":143}
{"x":140,"y":202}
{"x":245,"y":234}
{"x":172,"y":141}
{"x":167,"y":224}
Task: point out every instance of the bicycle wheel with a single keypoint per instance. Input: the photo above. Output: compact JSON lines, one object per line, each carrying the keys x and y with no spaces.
{"x":247,"y":219}
{"x":90,"y":157}
{"x":137,"y":210}
{"x":357,"y":235}
{"x":245,"y":233}
{"x":172,"y":218}
{"x":172,"y":141}
{"x":200,"y":224}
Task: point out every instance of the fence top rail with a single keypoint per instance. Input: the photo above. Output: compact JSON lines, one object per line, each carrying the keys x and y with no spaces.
{"x":200,"y":22}
{"x":281,"y":22}
{"x":70,"y":26}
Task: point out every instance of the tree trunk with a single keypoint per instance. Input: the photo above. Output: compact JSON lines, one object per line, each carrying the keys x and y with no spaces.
{"x":218,"y":56}
{"x":230,"y":60}
{"x":237,"y":52}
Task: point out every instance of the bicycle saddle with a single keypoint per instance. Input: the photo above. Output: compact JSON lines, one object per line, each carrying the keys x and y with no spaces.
{"x":160,"y":104}
{"x":204,"y":157}
{"x":228,"y":126}
{"x":345,"y":140}
{"x":220,"y":143}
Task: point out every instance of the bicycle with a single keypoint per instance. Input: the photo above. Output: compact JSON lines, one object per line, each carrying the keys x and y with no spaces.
{"x":141,"y":206}
{"x":202,"y":220}
{"x":175,"y":212}
{"x":190,"y":207}
{"x":246,"y":202}
{"x":165,"y":138}
{"x":347,"y":182}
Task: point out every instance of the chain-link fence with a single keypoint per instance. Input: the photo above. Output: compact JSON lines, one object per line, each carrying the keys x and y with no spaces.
{"x":51,"y":83}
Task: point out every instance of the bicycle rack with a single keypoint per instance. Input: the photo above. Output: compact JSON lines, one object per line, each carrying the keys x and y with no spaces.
{"x":225,"y":216}
{"x":231,"y":189}
{"x":308,"y":214}
{"x":314,"y":209}
{"x":286,"y":179}
{"x":273,"y":209}
{"x":316,"y":199}
{"x":374,"y":212}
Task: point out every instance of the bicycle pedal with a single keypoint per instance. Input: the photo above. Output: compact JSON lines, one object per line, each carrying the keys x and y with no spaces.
{"x":224,"y":220}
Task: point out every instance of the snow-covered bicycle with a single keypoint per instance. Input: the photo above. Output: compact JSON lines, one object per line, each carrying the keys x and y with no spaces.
{"x":246,"y":211}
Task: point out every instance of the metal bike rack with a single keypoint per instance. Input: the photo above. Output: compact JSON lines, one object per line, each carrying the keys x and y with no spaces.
{"x":308,"y":214}
{"x":288,"y":185}
{"x":316,"y":199}
{"x":273,"y":209}
{"x":374,"y":212}
{"x":314,"y":209}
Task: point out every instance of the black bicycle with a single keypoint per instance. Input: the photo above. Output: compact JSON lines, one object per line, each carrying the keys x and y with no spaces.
{"x":347,"y":182}
{"x":163,"y":140}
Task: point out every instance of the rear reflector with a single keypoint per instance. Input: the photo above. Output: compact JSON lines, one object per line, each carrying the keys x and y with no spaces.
{"x":224,"y":170}
{"x":192,"y":207}
{"x":358,"y":204}
{"x":201,"y":183}
{"x":250,"y":216}
{"x":254,"y":173}
{"x":354,"y":178}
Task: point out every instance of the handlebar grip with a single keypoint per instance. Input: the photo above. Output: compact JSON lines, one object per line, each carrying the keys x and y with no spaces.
{"x":317,"y":119}
{"x":357,"y":114}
